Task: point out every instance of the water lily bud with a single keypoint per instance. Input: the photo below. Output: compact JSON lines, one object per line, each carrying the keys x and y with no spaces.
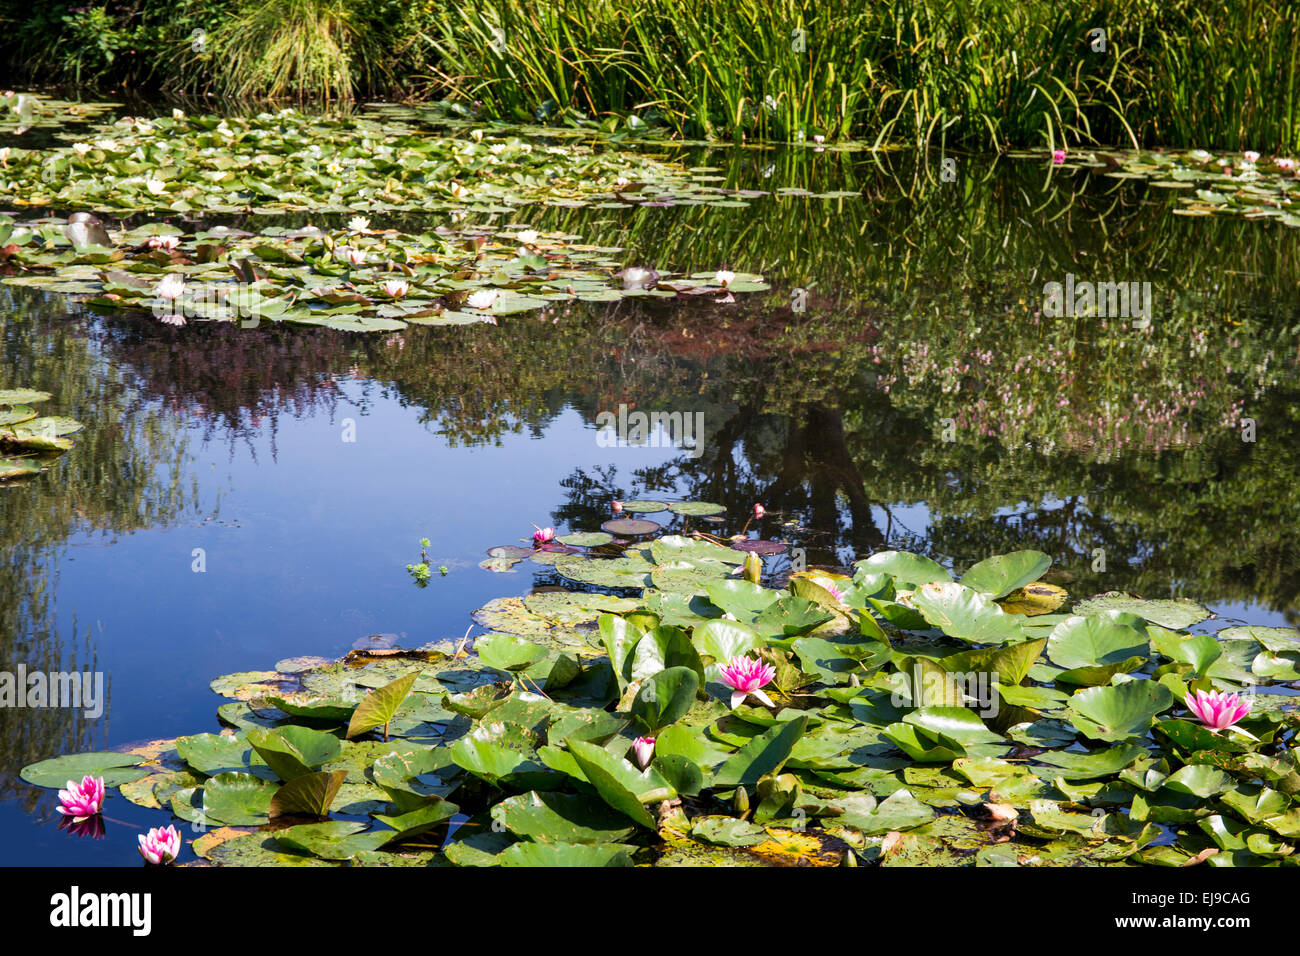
{"x":618,"y":507}
{"x":741,"y":802}
{"x":759,"y":511}
{"x":850,"y":858}
{"x":753,"y":568}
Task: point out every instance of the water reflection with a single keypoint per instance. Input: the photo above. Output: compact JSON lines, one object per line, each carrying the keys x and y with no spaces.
{"x":914,"y":396}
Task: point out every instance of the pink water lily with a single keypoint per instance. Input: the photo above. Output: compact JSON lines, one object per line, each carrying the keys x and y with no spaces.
{"x":1058,"y":156}
{"x":833,"y":591}
{"x":759,"y":511}
{"x":1217,"y":710}
{"x":617,"y":506}
{"x":1251,"y":156}
{"x":167,"y":243}
{"x":644,"y":748}
{"x":542,"y":535}
{"x":745,"y":676}
{"x":160,"y":845}
{"x":82,"y":800}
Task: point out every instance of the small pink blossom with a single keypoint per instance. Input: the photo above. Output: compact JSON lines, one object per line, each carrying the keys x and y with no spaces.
{"x":82,"y":800}
{"x":759,"y":511}
{"x":1217,"y":710}
{"x":160,"y":845}
{"x":1058,"y":156}
{"x":542,"y":536}
{"x":167,"y":243}
{"x":644,"y":748}
{"x":745,"y":676}
{"x":617,"y":506}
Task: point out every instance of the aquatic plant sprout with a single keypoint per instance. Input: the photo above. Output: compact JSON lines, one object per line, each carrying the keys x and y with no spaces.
{"x":644,"y":747}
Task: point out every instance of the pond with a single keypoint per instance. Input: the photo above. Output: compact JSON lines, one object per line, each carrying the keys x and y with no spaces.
{"x":243,"y":496}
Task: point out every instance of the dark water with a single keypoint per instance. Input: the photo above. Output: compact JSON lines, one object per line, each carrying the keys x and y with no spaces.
{"x":912,"y":398}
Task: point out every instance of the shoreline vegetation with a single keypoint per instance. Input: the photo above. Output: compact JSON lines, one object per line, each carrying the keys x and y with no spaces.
{"x":973,"y":74}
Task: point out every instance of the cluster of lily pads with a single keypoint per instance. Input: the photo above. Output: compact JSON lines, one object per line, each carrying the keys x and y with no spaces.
{"x":353,"y":279}
{"x":1245,"y":184}
{"x":273,"y":162}
{"x":665,"y":706}
{"x":28,"y":439}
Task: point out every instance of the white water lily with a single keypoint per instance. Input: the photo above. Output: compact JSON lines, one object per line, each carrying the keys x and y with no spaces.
{"x":528,"y":236}
{"x":348,"y":254}
{"x":476,"y":135}
{"x":395,"y":288}
{"x":171,"y":318}
{"x":81,"y":149}
{"x":458,"y":191}
{"x":482,"y":299}
{"x":155,"y":186}
{"x":172,"y":286}
{"x":496,"y":149}
{"x":334,"y":169}
{"x":4,"y":156}
{"x":178,"y":115}
{"x":107,"y":145}
{"x":358,"y":224}
{"x":723,"y":277}
{"x":168,"y":243}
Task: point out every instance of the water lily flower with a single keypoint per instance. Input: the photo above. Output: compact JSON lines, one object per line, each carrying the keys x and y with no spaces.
{"x":178,"y":115}
{"x":168,"y":243}
{"x":82,"y":800}
{"x":528,"y":236}
{"x":496,"y":149}
{"x":482,"y":299}
{"x":160,"y":845}
{"x":172,"y":319}
{"x":172,"y":286}
{"x":622,"y":182}
{"x":1058,"y":156}
{"x":395,"y":288}
{"x":1251,"y":156}
{"x":745,"y":676}
{"x":645,"y":748}
{"x":458,"y":191}
{"x":1217,"y":710}
{"x":759,"y":511}
{"x":542,"y":535}
{"x":476,"y":135}
{"x":348,"y":254}
{"x":833,"y":591}
{"x":4,"y":156}
{"x":155,"y":186}
{"x":617,"y":506}
{"x":818,"y":138}
{"x":358,"y":223}
{"x":81,"y":149}
{"x":1281,"y":162}
{"x":723,"y":277}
